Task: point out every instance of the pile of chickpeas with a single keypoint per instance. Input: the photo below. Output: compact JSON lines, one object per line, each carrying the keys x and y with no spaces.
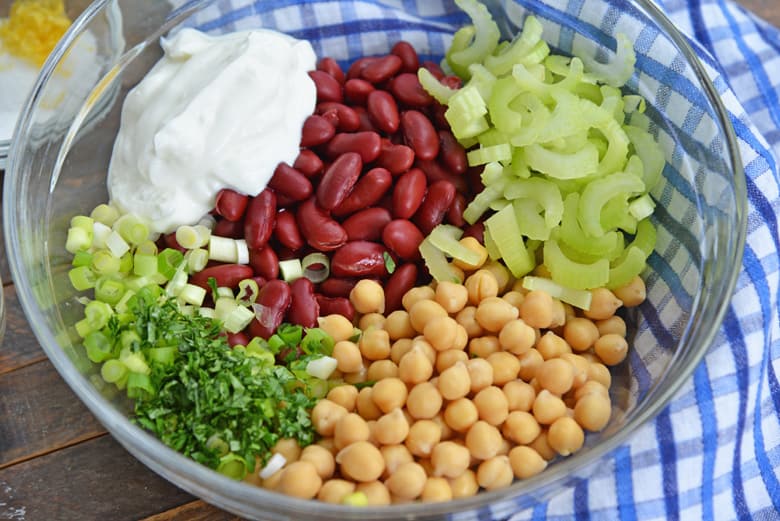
{"x":468,"y":387}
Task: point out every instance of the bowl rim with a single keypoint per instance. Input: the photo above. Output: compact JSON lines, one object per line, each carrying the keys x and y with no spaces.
{"x":227,"y":493}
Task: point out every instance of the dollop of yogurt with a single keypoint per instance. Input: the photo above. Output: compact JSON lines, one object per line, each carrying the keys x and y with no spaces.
{"x":215,"y":112}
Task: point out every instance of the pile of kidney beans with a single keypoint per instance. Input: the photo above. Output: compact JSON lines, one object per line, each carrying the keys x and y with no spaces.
{"x":378,"y":170}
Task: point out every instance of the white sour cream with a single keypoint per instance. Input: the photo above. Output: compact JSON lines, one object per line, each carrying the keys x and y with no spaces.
{"x":213,"y":113}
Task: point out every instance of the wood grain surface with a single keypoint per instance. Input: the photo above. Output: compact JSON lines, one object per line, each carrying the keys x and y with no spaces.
{"x":58,"y":463}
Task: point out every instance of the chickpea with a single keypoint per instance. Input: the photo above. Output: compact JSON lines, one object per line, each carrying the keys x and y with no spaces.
{"x":325,"y":415}
{"x":376,"y":492}
{"x":633,"y":293}
{"x":300,"y":479}
{"x":424,"y":401}
{"x":461,"y":337}
{"x":454,"y":382}
{"x":464,"y":485}
{"x":480,"y":285}
{"x":375,"y":344}
{"x":495,"y":473}
{"x":395,"y":456}
{"x":466,"y":317}
{"x":423,"y":312}
{"x":599,"y":372}
{"x":461,"y":414}
{"x":579,"y":367}
{"x":551,"y":345}
{"x":526,"y":462}
{"x":416,"y":294}
{"x":350,"y":428}
{"x":457,"y":273}
{"x":483,"y":440}
{"x":441,"y":332}
{"x":436,"y":490}
{"x":327,"y":444}
{"x":559,"y":314}
{"x":389,"y":394}
{"x":381,"y":369}
{"x":547,"y":407}
{"x":348,"y":356}
{"x":480,"y":373}
{"x":321,"y":458}
{"x":272,"y":482}
{"x":474,"y":245}
{"x":603,"y":304}
{"x":565,"y":436}
{"x":517,"y":337}
{"x":415,"y":367}
{"x":392,"y":428}
{"x":506,"y":367}
{"x":521,"y":427}
{"x":356,"y":377}
{"x":361,"y":461}
{"x":529,"y":363}
{"x":542,"y":446}
{"x":556,"y":375}
{"x":501,"y":273}
{"x":513,"y":297}
{"x":450,"y":459}
{"x":520,"y":396}
{"x":614,"y":324}
{"x":492,"y":405}
{"x":398,"y":325}
{"x":399,"y":348}
{"x":365,"y":405}
{"x":611,"y":349}
{"x":446,"y":431}
{"x":289,"y":448}
{"x":423,"y":437}
{"x":484,"y":346}
{"x":452,"y":296}
{"x":371,"y":321}
{"x":335,"y":490}
{"x":591,"y":387}
{"x":425,"y":347}
{"x":337,"y":326}
{"x":344,"y":395}
{"x":407,"y":481}
{"x":493,"y":313}
{"x":253,"y":478}
{"x":448,"y":358}
{"x":368,"y":296}
{"x":593,"y":411}
{"x":580,"y":333}
{"x":537,"y":309}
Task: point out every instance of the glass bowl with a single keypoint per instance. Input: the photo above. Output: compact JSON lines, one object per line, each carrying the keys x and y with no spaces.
{"x":58,"y":169}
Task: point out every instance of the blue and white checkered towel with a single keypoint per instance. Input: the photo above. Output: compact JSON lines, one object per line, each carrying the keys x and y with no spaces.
{"x":714,"y":451}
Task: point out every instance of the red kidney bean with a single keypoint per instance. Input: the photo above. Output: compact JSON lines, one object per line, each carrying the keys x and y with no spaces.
{"x":335,"y":287}
{"x":476,"y":230}
{"x":436,"y":113}
{"x":328,"y":88}
{"x":420,"y":134}
{"x":403,"y":238}
{"x":452,"y":155}
{"x":366,"y":125}
{"x":356,"y":69}
{"x":304,"y":308}
{"x":356,"y":91}
{"x":331,"y":116}
{"x":407,"y":89}
{"x":335,"y":306}
{"x":286,"y":231}
{"x":274,"y":298}
{"x":320,"y":231}
{"x":381,"y":69}
{"x":434,"y":69}
{"x":316,"y":131}
{"x":261,"y":281}
{"x":338,"y":180}
{"x":435,"y":172}
{"x":396,"y":158}
{"x":231,"y":204}
{"x":451,"y":81}
{"x":223,"y":228}
{"x":264,"y":262}
{"x":237,"y":339}
{"x":259,"y":219}
{"x":291,"y":183}
{"x":367,"y":191}
{"x":359,"y":259}
{"x":332,"y":67}
{"x":435,"y":205}
{"x":383,"y":110}
{"x":227,"y":275}
{"x":402,"y":280}
{"x":455,"y":211}
{"x":366,"y":225}
{"x":347,"y":120}
{"x":408,"y":193}
{"x":368,"y":144}
{"x":308,"y":163}
{"x":410,"y":62}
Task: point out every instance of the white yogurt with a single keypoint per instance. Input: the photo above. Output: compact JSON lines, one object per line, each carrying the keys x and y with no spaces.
{"x":213,"y":113}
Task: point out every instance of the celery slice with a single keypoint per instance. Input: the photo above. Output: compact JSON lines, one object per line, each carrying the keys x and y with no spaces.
{"x":573,"y":274}
{"x":529,"y":219}
{"x":617,"y":72}
{"x":543,"y":192}
{"x":482,"y":79}
{"x":528,"y":48}
{"x":571,"y":234}
{"x":597,"y":193}
{"x":436,"y":262}
{"x":617,"y":150}
{"x":490,"y":245}
{"x":445,"y":237}
{"x":629,"y":266}
{"x":501,"y":114}
{"x":645,"y":237}
{"x":486,"y":36}
{"x":616,"y":214}
{"x":563,"y":166}
{"x":649,"y":151}
{"x":505,"y":233}
{"x":433,"y":86}
{"x":642,"y":207}
{"x":490,"y":154}
{"x":576,"y":297}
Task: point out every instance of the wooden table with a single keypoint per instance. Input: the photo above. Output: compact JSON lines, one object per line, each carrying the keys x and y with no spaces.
{"x":58,"y":463}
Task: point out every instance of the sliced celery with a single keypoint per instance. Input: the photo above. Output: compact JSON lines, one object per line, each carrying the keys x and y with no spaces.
{"x":563,"y":166}
{"x":290,"y":269}
{"x":486,"y":36}
{"x":491,"y":154}
{"x":597,"y":193}
{"x":641,"y":207}
{"x":571,"y":234}
{"x":576,"y":297}
{"x":482,"y":79}
{"x":433,"y":86}
{"x":617,"y":150}
{"x":529,"y":219}
{"x":436,"y":262}
{"x":573,"y":274}
{"x":616,"y":214}
{"x":629,"y":266}
{"x":445,"y":237}
{"x":466,"y":113}
{"x":501,"y":114}
{"x":645,"y":237}
{"x":490,"y":245}
{"x":527,"y":49}
{"x":617,"y":72}
{"x":650,"y":152}
{"x":543,"y":192}
{"x":505,"y":233}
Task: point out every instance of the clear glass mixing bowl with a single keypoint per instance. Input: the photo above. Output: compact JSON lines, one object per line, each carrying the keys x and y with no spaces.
{"x":58,"y":168}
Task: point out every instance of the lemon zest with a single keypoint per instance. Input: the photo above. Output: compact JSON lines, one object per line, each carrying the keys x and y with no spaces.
{"x":33,"y":28}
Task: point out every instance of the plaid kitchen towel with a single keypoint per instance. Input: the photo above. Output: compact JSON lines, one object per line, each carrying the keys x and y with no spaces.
{"x":714,"y":451}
